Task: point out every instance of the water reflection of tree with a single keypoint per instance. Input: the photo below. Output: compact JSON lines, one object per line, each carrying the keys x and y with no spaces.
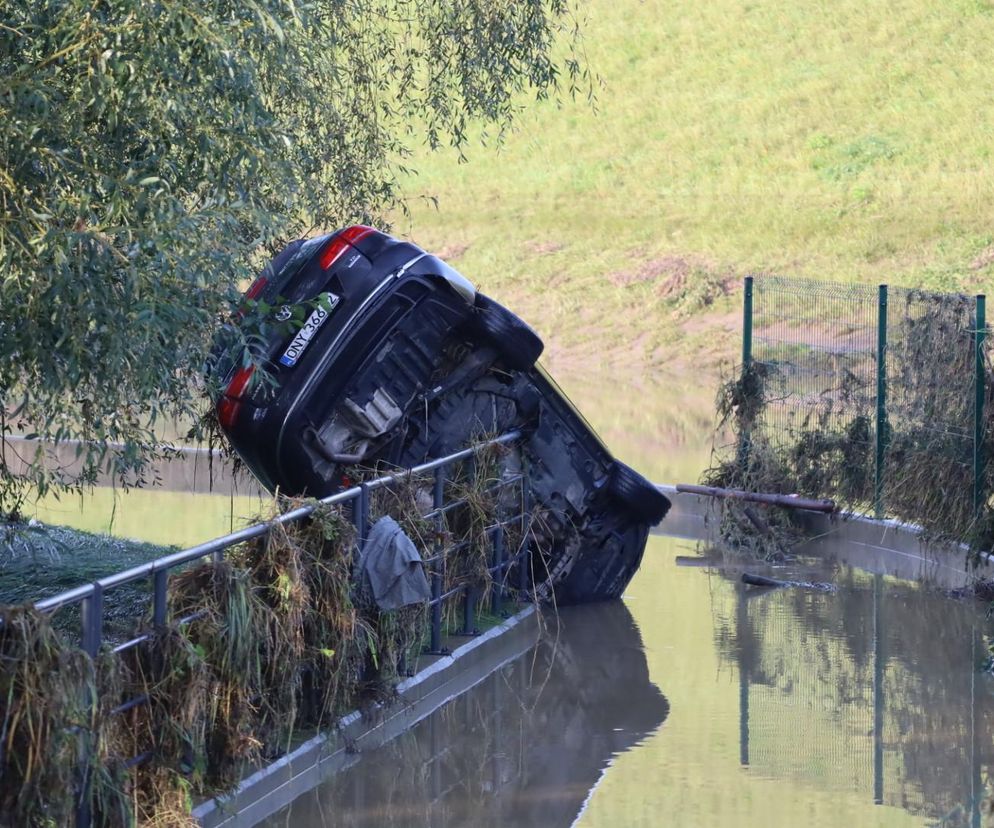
{"x":826,"y":651}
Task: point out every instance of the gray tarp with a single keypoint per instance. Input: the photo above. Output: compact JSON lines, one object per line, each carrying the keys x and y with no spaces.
{"x":390,"y":570}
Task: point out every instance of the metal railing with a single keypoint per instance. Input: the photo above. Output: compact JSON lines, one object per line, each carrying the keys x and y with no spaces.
{"x":90,"y":597}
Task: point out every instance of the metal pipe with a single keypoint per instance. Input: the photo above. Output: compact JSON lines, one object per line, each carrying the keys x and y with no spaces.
{"x":497,"y":593}
{"x":130,"y":705}
{"x":747,"y":323}
{"x":92,"y":620}
{"x":469,"y":612}
{"x":360,"y":516}
{"x":437,"y":578}
{"x":128,"y":645}
{"x":160,"y":591}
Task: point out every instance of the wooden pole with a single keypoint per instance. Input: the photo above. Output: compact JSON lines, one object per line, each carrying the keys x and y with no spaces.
{"x":787,"y":501}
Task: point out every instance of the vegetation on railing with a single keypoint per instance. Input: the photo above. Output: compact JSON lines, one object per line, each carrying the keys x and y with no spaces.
{"x":269,"y":642}
{"x":46,"y":689}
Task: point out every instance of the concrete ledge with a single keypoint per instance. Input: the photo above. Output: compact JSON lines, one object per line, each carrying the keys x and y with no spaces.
{"x":273,"y":787}
{"x":889,"y":547}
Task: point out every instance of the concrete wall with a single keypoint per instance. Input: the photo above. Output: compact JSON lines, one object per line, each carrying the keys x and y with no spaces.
{"x":271,"y":788}
{"x":888,"y":547}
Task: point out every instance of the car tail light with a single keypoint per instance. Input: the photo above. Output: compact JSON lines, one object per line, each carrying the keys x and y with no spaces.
{"x":256,"y":288}
{"x":338,"y":245}
{"x":227,"y":407}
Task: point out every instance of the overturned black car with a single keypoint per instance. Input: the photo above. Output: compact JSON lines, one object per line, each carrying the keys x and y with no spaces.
{"x":378,"y":352}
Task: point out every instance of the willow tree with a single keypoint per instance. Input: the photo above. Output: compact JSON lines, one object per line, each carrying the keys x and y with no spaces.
{"x":153,"y":151}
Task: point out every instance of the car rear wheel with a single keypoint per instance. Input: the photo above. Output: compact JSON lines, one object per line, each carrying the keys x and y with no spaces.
{"x":641,"y":499}
{"x":519,"y":346}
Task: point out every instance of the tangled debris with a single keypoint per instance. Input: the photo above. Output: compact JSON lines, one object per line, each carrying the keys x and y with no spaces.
{"x":792,"y":435}
{"x":256,"y":649}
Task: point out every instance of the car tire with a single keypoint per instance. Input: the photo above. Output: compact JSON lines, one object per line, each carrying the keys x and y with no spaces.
{"x":640,"y":498}
{"x":605,"y":567}
{"x":519,"y":346}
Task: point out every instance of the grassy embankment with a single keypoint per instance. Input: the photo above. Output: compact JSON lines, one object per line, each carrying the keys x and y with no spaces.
{"x":843,"y":141}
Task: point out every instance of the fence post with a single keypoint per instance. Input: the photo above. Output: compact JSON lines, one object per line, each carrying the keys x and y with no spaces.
{"x":497,"y":588}
{"x":91,"y":623}
{"x":524,"y":554}
{"x":980,"y":330}
{"x":360,"y":516}
{"x":469,"y":612}
{"x":160,"y":592}
{"x":745,"y":438}
{"x":747,"y":324}
{"x":470,"y":593}
{"x":437,"y":578}
{"x":882,"y":425}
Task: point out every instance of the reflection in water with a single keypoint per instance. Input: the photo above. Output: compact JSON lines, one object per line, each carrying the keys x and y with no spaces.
{"x":661,"y":425}
{"x":875,"y":690}
{"x":863,"y":707}
{"x":860,"y":707}
{"x":524,"y":748}
{"x":195,"y":497}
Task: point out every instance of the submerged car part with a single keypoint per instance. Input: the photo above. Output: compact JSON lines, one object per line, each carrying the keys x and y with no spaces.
{"x":379,"y":352}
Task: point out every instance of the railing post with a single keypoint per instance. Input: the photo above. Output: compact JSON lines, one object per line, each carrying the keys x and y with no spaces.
{"x":524,"y":575}
{"x":747,"y":324}
{"x":524,"y":555}
{"x":91,"y":620}
{"x":160,"y":583}
{"x":882,"y":424}
{"x":438,"y":575}
{"x":469,"y":612}
{"x":360,"y":515}
{"x":497,"y":593}
{"x":91,"y":623}
{"x":980,"y":330}
{"x":84,"y":815}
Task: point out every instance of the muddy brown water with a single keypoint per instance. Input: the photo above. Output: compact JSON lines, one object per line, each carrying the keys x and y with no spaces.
{"x":696,"y":701}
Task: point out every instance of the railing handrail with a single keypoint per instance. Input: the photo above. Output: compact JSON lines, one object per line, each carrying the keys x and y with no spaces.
{"x":202,"y":550}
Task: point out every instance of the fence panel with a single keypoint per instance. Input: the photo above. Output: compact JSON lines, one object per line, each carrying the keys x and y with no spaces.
{"x":875,"y":396}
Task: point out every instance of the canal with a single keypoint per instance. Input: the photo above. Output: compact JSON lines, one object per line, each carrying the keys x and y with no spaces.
{"x":697,"y":702}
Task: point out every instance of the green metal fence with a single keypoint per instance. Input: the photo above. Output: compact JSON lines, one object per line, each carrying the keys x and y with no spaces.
{"x":875,"y":395}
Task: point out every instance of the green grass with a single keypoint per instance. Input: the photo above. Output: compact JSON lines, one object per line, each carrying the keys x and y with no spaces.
{"x":38,"y":561}
{"x":842,"y":141}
